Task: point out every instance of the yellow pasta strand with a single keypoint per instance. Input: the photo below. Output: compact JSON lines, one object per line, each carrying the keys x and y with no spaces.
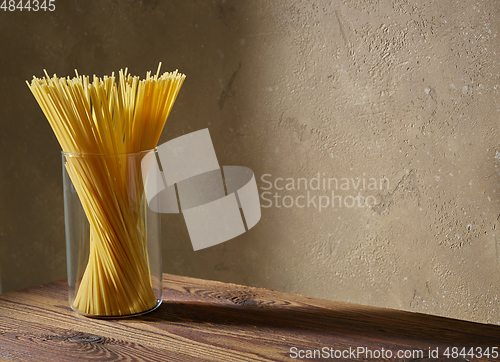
{"x":105,"y":120}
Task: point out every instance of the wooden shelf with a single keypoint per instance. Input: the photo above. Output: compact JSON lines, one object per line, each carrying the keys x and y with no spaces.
{"x":202,"y":320}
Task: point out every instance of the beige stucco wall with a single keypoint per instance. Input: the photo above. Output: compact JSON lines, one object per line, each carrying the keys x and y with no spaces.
{"x":405,"y":91}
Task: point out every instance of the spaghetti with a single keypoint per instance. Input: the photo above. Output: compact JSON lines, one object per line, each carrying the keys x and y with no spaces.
{"x":104,"y":121}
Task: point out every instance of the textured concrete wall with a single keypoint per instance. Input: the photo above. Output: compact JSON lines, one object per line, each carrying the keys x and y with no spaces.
{"x":401,"y":91}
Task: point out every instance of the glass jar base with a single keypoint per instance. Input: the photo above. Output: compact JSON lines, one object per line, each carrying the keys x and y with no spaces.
{"x":95,"y":316}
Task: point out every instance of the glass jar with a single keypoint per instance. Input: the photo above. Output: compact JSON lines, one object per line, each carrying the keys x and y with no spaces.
{"x":113,"y":244}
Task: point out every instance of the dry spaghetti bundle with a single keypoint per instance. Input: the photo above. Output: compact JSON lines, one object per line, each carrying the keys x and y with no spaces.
{"x":106,"y":120}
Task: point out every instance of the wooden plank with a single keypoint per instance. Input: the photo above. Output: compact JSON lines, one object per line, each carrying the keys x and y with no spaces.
{"x":203,"y":320}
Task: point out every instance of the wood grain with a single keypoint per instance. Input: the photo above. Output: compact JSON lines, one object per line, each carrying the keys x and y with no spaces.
{"x":203,"y":320}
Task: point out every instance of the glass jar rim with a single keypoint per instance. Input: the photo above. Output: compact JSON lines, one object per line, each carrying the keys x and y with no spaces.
{"x":80,"y":154}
